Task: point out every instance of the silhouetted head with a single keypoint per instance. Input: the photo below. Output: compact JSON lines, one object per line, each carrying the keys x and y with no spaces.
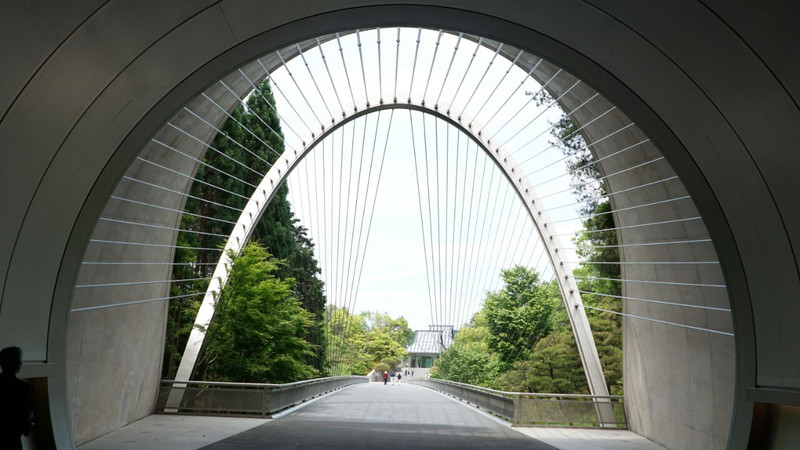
{"x":11,"y":359}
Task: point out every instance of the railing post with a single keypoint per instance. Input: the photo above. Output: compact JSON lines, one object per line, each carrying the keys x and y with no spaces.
{"x":517,"y":409}
{"x":265,"y":401}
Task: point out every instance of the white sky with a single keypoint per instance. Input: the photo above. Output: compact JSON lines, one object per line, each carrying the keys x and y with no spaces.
{"x":394,"y":263}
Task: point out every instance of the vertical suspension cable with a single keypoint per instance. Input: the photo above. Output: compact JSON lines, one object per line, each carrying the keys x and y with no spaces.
{"x":346,"y":73}
{"x":521,"y":83}
{"x":330,"y":77}
{"x":300,"y":90}
{"x":452,"y":258}
{"x":442,"y":274}
{"x":447,"y":74}
{"x":461,"y":250}
{"x":375,"y":197}
{"x":414,"y":66}
{"x":433,"y":62}
{"x":355,"y":213}
{"x":380,"y":67}
{"x":483,"y":280}
{"x":464,"y":77}
{"x":280,"y":91}
{"x":363,"y":73}
{"x":473,"y":263}
{"x":479,"y":273}
{"x":242,"y":101}
{"x":421,"y":221}
{"x":313,"y":81}
{"x":470,"y":238}
{"x":275,"y":110}
{"x":491,"y":94}
{"x":477,"y":87}
{"x":437,"y":300}
{"x":396,"y":64}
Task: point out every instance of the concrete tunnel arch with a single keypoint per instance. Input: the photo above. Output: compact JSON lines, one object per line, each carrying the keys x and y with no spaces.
{"x":694,"y":141}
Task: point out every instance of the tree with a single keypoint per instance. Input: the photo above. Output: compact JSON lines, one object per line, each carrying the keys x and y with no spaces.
{"x":519,"y":314}
{"x":246,"y":148}
{"x":554,"y":367}
{"x":254,"y":336}
{"x":469,"y":359}
{"x":346,"y":343}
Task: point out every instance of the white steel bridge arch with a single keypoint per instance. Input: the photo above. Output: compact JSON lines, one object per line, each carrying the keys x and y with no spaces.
{"x":525,"y":190}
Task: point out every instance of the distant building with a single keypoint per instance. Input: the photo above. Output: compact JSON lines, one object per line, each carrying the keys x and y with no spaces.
{"x":429,"y":344}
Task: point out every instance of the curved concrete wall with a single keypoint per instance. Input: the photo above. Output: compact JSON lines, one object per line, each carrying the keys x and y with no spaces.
{"x":679,"y":382}
{"x":91,"y":82}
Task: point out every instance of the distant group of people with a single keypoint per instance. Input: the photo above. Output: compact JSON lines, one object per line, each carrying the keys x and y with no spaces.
{"x":396,"y":377}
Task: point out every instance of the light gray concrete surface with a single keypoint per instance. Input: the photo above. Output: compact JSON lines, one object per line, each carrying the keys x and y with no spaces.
{"x":173,"y":432}
{"x":715,"y":83}
{"x":414,"y":406}
{"x":582,"y":439}
{"x":373,"y":415}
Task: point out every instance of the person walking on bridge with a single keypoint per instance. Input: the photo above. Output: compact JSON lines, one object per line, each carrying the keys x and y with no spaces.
{"x":385,"y":377}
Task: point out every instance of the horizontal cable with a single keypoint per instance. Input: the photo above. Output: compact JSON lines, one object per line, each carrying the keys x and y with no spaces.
{"x":674,"y":283}
{"x":660,"y":302}
{"x":230,"y":117}
{"x":725,"y":333}
{"x":641,"y":244}
{"x":628,"y":208}
{"x":282,"y":120}
{"x":258,"y":116}
{"x":139,"y":263}
{"x":191,"y":177}
{"x":144,"y":244}
{"x":639,"y":225}
{"x":536,"y":117}
{"x":647,"y":263}
{"x":186,"y":155}
{"x":563,"y":139}
{"x":136,"y":302}
{"x":219,"y":152}
{"x":122,"y":199}
{"x":182,"y":194}
{"x":611,"y":194}
{"x":593,"y":161}
{"x":135,"y":283}
{"x":161,"y":227}
{"x":597,"y":180}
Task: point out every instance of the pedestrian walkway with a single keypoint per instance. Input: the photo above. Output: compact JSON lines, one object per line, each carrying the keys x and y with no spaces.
{"x":363,"y":416}
{"x":369,"y":416}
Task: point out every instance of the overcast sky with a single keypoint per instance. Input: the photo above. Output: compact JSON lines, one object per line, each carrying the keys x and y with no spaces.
{"x":395,"y":278}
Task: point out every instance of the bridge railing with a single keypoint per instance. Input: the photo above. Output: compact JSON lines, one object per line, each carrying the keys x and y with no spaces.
{"x":524,"y":408}
{"x":251,"y":399}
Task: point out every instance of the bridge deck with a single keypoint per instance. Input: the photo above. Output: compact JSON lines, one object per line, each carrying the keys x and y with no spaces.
{"x":373,"y":415}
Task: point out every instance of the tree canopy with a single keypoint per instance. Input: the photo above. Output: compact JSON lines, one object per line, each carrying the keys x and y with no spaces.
{"x":256,"y":333}
{"x":247,"y":146}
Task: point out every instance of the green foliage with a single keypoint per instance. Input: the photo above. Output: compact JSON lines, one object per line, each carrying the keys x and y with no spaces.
{"x":469,"y":359}
{"x":277,"y":230}
{"x":254,"y":336}
{"x":555,"y":367}
{"x":360,"y":342}
{"x":381,"y":367}
{"x":518,"y":315}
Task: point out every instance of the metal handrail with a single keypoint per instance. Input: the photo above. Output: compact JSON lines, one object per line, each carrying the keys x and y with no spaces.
{"x":231,"y":398}
{"x":530,"y":394}
{"x":533,"y":408}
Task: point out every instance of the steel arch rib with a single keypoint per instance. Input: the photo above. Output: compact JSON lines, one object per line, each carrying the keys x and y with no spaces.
{"x":288,"y":161}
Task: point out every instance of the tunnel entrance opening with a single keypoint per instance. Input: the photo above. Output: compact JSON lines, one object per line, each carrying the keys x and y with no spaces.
{"x":634,"y":184}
